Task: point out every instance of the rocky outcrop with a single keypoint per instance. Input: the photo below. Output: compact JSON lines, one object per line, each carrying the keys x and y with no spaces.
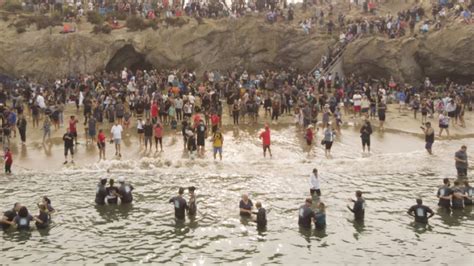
{"x":445,"y":53}
{"x":214,"y":44}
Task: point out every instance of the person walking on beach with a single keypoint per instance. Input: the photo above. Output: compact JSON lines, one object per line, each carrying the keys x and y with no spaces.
{"x":266,"y":141}
{"x":116,"y":132}
{"x":429,"y":137}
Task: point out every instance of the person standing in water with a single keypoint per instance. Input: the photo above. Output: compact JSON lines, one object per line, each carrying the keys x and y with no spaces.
{"x":217,"y":143}
{"x":7,"y":219}
{"x":261,"y":216}
{"x":266,"y":141}
{"x":315,"y":187}
{"x":101,"y":144}
{"x":125,"y":191}
{"x":116,"y":132}
{"x":329,"y":135}
{"x":8,"y":158}
{"x":245,"y":206}
{"x":469,"y":192}
{"x":68,"y":139}
{"x":460,"y":157}
{"x":192,"y":209}
{"x":306,"y":214}
{"x":359,"y":206}
{"x":365,"y":132}
{"x":429,"y":137}
{"x":320,"y":217}
{"x":112,"y":193}
{"x":101,"y":192}
{"x":420,"y":212}
{"x":444,"y":194}
{"x":180,"y":205}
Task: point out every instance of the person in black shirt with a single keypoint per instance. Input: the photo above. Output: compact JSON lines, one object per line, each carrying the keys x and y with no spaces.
{"x":9,"y":215}
{"x":42,"y":220}
{"x":192,"y":201}
{"x":180,"y":205}
{"x":261,"y":216}
{"x":68,"y":139}
{"x":444,"y":194}
{"x":359,"y":206}
{"x":306,"y":214}
{"x":429,"y":137}
{"x":365,"y":132}
{"x":458,"y":196}
{"x":148,"y":132}
{"x":201,"y":131}
{"x":21,"y":124}
{"x":112,"y":193}
{"x":420,"y":212}
{"x":101,"y":192}
{"x":125,"y":191}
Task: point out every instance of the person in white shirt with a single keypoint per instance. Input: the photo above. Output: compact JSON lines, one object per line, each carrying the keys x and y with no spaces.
{"x":116,"y":132}
{"x":357,"y":99}
{"x":315,"y":186}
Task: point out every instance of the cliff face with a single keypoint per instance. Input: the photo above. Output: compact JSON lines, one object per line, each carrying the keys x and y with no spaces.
{"x":224,"y":44}
{"x":445,"y":53}
{"x":215,"y":44}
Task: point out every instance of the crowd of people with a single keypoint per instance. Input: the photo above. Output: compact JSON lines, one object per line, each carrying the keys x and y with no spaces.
{"x":151,"y":102}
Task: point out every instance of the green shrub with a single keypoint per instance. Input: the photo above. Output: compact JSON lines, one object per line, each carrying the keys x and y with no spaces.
{"x":95,"y":18}
{"x":176,"y":21}
{"x":106,"y":29}
{"x":116,"y":15}
{"x":135,"y":23}
{"x":12,"y":6}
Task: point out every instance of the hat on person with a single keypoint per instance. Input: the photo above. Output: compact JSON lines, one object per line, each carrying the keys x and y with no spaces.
{"x":121,"y":179}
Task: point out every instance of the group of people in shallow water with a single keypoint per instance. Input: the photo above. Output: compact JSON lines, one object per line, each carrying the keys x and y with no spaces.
{"x":20,"y":218}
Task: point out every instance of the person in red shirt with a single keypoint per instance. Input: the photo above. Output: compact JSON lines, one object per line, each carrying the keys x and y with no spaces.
{"x":101,"y":144}
{"x":154,"y":112}
{"x":8,"y":158}
{"x":73,"y":127}
{"x":158,"y":128}
{"x":265,"y":136}
{"x":215,"y":122}
{"x":309,"y":136}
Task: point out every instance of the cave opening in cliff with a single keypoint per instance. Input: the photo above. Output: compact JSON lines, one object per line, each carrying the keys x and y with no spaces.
{"x":128,"y":57}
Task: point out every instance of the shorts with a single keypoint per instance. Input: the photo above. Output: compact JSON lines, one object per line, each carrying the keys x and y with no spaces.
{"x":101,"y":145}
{"x":382,"y":118}
{"x":217,"y":150}
{"x":92,"y":133}
{"x":140,"y":131}
{"x":461,"y":171}
{"x":68,"y":149}
{"x":317,"y":191}
{"x":328,"y":144}
{"x":74,"y":134}
{"x":266,"y":147}
{"x":366,"y":142}
{"x":428,"y":145}
{"x":201,"y":142}
{"x":452,"y":114}
{"x":117,"y":141}
{"x":357,"y":109}
{"x":443,"y":126}
{"x":402,"y":103}
{"x":365,"y":110}
{"x":309,"y":142}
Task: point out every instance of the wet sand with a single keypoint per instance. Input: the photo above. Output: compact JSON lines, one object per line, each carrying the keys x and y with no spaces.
{"x":36,"y":155}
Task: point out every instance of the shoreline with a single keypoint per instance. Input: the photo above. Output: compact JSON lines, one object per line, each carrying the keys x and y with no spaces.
{"x":36,"y":155}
